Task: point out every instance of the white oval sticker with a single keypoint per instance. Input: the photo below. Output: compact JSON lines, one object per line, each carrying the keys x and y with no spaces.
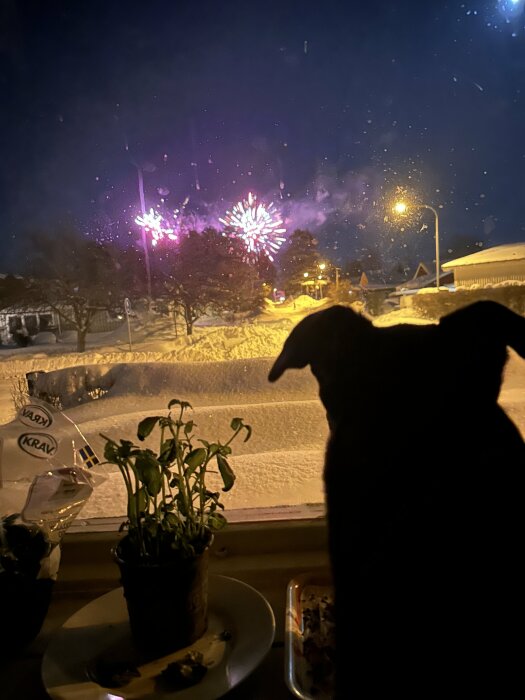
{"x":35,"y":416}
{"x":38,"y":445}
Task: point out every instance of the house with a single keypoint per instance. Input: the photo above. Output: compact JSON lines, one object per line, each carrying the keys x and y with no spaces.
{"x":34,"y":320}
{"x":423,"y":277}
{"x":373,"y":289}
{"x":493,"y":266}
{"x":37,"y":319}
{"x":20,"y":318}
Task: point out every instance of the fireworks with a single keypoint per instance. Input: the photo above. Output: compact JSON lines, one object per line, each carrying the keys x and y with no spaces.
{"x":259,"y":226}
{"x":154,"y":224}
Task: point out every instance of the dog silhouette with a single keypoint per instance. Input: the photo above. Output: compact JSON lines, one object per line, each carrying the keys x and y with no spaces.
{"x":424,"y":492}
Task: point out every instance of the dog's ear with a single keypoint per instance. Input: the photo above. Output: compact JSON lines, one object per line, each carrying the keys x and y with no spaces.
{"x":297,"y":348}
{"x":316,"y":339}
{"x":499,"y":323}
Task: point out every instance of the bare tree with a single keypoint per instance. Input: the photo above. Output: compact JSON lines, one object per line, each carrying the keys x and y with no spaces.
{"x":209,"y":272}
{"x":75,"y":276}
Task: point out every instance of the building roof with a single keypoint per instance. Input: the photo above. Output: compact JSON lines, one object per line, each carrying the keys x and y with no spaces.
{"x":499,"y":253}
{"x":423,"y":279}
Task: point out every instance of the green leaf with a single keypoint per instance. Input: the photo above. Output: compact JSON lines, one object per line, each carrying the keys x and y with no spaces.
{"x":176,"y":482}
{"x":125,"y":448}
{"x":168,"y":451}
{"x":216,"y":521}
{"x":181,"y":504}
{"x":183,"y":404}
{"x":165,"y":422}
{"x":133,"y":511}
{"x":213,"y":449}
{"x":188,"y":427}
{"x":236,"y":423}
{"x":195,"y":458}
{"x":111,"y":452}
{"x":228,"y":477}
{"x":146,"y":426}
{"x":149,"y":472}
{"x":117,"y":454}
{"x":152,"y":527}
{"x":172,"y":519}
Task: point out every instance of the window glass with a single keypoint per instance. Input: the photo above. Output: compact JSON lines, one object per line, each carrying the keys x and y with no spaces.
{"x":183,"y":182}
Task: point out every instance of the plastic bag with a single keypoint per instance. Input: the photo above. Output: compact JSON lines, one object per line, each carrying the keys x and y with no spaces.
{"x":39,"y":455}
{"x":41,"y":437}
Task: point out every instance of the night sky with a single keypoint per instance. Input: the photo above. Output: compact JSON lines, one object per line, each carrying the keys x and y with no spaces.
{"x":321,"y":107}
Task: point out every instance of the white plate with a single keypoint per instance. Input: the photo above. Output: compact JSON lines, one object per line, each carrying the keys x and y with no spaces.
{"x":102,"y":628}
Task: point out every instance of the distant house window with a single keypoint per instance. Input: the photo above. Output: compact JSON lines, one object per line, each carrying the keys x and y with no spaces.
{"x":46,"y":322}
{"x":31,"y":323}
{"x":14,"y":323}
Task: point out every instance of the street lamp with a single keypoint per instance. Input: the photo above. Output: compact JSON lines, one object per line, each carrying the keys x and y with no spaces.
{"x":321,"y":266}
{"x":401,"y":208}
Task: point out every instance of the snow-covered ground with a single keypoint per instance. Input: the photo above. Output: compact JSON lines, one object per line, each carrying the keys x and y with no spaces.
{"x":222,"y":371}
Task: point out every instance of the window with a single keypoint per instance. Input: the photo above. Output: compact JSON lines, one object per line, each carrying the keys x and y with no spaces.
{"x":183,"y":182}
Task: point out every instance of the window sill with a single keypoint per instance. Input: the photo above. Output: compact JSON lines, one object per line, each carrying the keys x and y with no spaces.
{"x":264,"y":553}
{"x":284,"y":540}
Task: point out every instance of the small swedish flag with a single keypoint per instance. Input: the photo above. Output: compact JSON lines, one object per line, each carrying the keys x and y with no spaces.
{"x":88,"y":456}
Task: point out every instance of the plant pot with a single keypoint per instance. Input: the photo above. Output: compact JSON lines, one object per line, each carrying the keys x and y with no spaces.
{"x":167,"y":603}
{"x":24,"y":602}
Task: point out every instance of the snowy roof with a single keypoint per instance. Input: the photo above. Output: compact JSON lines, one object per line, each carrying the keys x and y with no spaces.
{"x":499,"y":253}
{"x":27,"y":308}
{"x":428,"y":280}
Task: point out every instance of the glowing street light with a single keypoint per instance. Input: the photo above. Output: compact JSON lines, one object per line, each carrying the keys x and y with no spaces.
{"x":321,"y":267}
{"x":402,"y":207}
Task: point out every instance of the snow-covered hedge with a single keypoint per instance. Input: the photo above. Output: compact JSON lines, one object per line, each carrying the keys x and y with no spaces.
{"x":434,"y":306}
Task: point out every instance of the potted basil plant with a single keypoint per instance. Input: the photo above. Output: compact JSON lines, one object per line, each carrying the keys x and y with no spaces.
{"x":172,"y":515}
{"x":26,"y":583}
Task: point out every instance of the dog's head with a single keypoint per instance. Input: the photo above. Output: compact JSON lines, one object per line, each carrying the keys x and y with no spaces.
{"x":355,"y":362}
{"x":318,"y":341}
{"x":324,"y":340}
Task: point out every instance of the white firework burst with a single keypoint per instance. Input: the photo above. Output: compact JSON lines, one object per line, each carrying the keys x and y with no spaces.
{"x":259,"y":226}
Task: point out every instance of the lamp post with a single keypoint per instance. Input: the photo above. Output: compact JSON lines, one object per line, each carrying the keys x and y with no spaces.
{"x":305,"y":283}
{"x":321,"y":267}
{"x":401,"y":207}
